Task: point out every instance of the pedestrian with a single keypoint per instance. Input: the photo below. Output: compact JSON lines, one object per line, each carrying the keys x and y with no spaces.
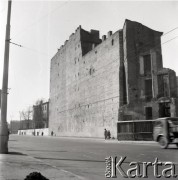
{"x":8,"y":134}
{"x":108,"y":134}
{"x":52,"y":133}
{"x":105,"y":134}
{"x":42,"y":133}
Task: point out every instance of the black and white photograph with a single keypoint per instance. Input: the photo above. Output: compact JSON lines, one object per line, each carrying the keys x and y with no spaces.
{"x":88,"y":90}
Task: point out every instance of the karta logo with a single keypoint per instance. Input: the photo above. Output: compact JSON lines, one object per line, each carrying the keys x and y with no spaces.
{"x":138,"y":169}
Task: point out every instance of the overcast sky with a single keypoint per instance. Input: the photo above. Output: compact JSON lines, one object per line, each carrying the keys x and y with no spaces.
{"x":41,"y":27}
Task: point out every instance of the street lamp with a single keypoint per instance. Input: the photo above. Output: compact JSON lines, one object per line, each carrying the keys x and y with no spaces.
{"x":3,"y":121}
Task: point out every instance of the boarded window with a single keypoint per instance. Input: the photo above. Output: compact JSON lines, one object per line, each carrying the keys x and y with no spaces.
{"x":147,"y":64}
{"x":141,"y":65}
{"x":148,"y":89}
{"x":163,"y":86}
{"x":160,"y":86}
{"x":166,"y":86}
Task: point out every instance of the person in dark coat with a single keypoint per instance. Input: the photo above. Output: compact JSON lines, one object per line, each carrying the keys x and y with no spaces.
{"x":105,"y":134}
{"x":108,"y":135}
{"x":52,"y":133}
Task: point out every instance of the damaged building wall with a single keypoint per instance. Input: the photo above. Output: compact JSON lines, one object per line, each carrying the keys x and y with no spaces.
{"x":177,"y":84}
{"x":147,"y":80}
{"x":96,"y":82}
{"x":84,"y":88}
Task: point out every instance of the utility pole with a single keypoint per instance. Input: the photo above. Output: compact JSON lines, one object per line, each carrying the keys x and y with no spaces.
{"x":3,"y":121}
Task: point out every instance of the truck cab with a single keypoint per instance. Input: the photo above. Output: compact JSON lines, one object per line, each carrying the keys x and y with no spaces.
{"x":165,"y":131}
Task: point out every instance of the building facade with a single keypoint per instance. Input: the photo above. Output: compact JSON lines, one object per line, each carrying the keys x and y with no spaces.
{"x":41,"y":115}
{"x":94,"y":83}
{"x":14,"y":126}
{"x":0,"y":98}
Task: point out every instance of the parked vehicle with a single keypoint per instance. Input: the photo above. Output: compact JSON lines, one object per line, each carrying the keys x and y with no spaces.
{"x":165,"y":131}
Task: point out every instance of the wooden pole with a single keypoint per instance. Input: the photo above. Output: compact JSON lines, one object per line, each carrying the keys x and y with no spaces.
{"x":3,"y":122}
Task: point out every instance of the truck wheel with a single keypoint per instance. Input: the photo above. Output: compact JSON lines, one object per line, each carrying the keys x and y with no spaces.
{"x":163,"y":142}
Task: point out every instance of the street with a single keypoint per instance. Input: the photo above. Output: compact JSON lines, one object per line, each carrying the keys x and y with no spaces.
{"x":85,"y":157}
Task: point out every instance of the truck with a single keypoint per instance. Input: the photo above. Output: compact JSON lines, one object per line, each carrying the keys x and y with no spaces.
{"x":165,"y":131}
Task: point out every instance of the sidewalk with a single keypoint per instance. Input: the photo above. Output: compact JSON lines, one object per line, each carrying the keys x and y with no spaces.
{"x":106,"y":141}
{"x":16,"y":166}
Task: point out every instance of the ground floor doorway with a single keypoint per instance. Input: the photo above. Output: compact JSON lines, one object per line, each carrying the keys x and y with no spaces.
{"x":164,"y":109}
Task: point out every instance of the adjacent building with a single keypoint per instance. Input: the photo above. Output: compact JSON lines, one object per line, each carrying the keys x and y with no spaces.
{"x":14,"y":126}
{"x":41,"y":115}
{"x":26,"y":124}
{"x":0,"y":98}
{"x":94,"y":83}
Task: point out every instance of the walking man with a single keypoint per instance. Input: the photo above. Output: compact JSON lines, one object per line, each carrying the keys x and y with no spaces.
{"x":105,"y":134}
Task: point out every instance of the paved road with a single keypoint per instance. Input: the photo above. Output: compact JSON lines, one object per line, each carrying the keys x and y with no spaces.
{"x":86,"y":157}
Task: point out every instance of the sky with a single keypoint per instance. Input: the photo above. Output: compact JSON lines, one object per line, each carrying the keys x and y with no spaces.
{"x":41,"y":27}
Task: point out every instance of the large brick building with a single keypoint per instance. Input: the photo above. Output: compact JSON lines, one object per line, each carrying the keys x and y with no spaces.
{"x":94,"y":83}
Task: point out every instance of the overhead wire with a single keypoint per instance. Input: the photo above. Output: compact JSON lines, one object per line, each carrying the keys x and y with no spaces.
{"x":28,"y":48}
{"x":170,"y":40}
{"x":170,"y":31}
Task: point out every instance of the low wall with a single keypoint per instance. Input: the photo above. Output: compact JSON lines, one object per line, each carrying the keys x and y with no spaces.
{"x":135,"y":130}
{"x":34,"y":132}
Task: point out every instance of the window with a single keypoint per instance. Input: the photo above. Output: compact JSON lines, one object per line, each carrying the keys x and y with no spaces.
{"x":173,"y":121}
{"x":166,"y":85}
{"x":141,"y":65}
{"x":163,"y":85}
{"x":148,"y":89}
{"x":158,"y":124}
{"x":112,"y":42}
{"x":147,"y":64}
{"x":90,"y":71}
{"x":148,"y":113}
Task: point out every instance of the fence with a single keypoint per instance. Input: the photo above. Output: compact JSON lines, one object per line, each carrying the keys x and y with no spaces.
{"x":135,"y":130}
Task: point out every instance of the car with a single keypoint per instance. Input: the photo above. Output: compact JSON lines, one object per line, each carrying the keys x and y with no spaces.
{"x":165,"y":131}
